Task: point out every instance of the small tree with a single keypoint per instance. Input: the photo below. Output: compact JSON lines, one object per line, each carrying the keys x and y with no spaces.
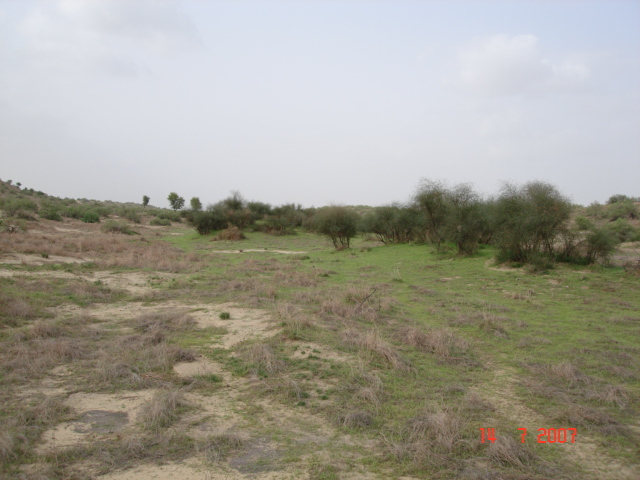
{"x":464,"y":223}
{"x":529,"y":219}
{"x":431,"y":198}
{"x":338,"y":223}
{"x":175,"y":201}
{"x":196,"y":205}
{"x":145,"y":201}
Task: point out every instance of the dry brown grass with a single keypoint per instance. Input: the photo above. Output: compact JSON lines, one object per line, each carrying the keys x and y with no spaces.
{"x":164,"y":321}
{"x":370,"y":341}
{"x":14,"y":310}
{"x":349,"y":313}
{"x":216,"y":447}
{"x":106,"y":250}
{"x":136,"y":361}
{"x":441,"y":342}
{"x":232,"y":234}
{"x":46,"y":329}
{"x":357,"y":419}
{"x":293,"y":319}
{"x":262,"y":359}
{"x":7,"y":446}
{"x":505,"y":451}
{"x":617,"y":395}
{"x":162,"y":410}
{"x":25,"y":360}
{"x":440,"y":429}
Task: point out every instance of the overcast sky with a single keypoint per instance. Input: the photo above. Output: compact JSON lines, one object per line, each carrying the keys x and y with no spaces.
{"x":318,"y":101}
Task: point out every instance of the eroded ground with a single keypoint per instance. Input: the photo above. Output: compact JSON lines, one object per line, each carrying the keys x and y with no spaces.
{"x":131,"y":359}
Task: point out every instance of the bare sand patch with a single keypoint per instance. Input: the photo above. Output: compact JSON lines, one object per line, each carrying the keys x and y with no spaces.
{"x":193,"y":469}
{"x":200,"y":366}
{"x":69,"y":230}
{"x":38,"y":260}
{"x":215,"y":415}
{"x":133,"y":282}
{"x":243,"y":324}
{"x":305,"y":349}
{"x":98,"y":414}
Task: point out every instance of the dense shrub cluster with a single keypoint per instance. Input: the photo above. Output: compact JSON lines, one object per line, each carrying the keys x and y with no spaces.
{"x":338,"y":223}
{"x":20,"y":207}
{"x":235,"y":211}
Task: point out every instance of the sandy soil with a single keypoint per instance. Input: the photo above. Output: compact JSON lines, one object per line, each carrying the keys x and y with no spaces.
{"x":99,"y":414}
{"x":37,"y":260}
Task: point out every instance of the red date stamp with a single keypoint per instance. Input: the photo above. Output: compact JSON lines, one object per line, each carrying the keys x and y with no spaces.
{"x":545,"y":435}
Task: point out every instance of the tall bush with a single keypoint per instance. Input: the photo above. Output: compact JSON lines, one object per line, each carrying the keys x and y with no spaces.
{"x":338,"y":223}
{"x":528,"y":220}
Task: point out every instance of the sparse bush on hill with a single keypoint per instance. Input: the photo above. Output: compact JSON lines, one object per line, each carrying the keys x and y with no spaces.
{"x":91,"y":217}
{"x":622,"y":209}
{"x":18,"y":207}
{"x":49,"y":211}
{"x":583,"y":223}
{"x":161,"y":222}
{"x":617,"y":198}
{"x":114,"y":226}
{"x":623,"y":230}
{"x":169,"y":215}
{"x":130,"y":214}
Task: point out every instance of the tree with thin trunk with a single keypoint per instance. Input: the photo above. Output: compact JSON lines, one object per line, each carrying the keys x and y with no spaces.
{"x":176,"y":201}
{"x":145,"y":201}
{"x":196,"y":204}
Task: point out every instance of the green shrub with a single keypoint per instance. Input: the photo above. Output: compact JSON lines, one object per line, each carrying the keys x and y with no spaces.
{"x":130,"y":214}
{"x":113,"y":226}
{"x":622,"y":229}
{"x":393,"y":224}
{"x":622,"y":209}
{"x":213,"y":218}
{"x":529,"y":219}
{"x":169,"y":215}
{"x":430,"y":197}
{"x":162,"y":222}
{"x":338,"y":223}
{"x":50,"y":212}
{"x":91,"y":217}
{"x":225,"y":316}
{"x":18,"y":207}
{"x":617,"y":198}
{"x":595,"y":210}
{"x":600,"y":244}
{"x":540,"y":263}
{"x":583,"y":223}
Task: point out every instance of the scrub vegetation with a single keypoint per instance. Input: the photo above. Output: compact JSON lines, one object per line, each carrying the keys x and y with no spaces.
{"x":339,"y":342}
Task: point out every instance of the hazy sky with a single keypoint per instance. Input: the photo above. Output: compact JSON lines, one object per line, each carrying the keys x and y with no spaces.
{"x":318,"y":101}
